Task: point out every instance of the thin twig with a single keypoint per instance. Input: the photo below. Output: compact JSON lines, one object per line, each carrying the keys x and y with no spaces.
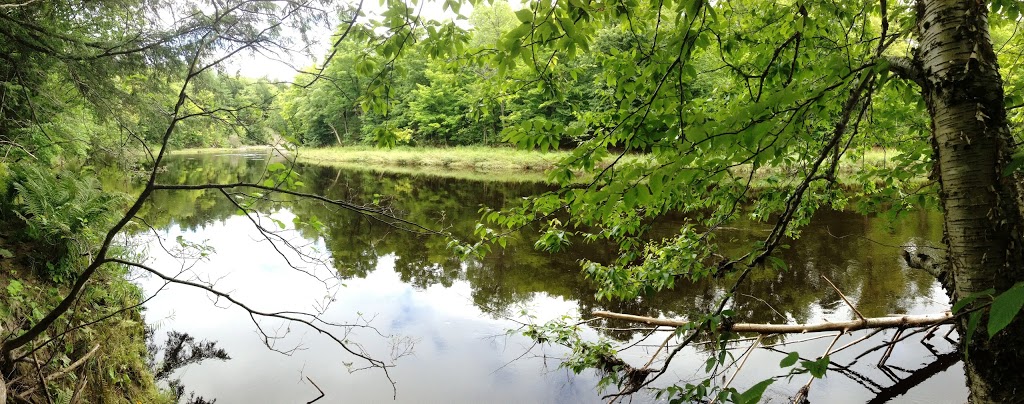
{"x":74,"y":365}
{"x":310,"y":320}
{"x":42,"y":381}
{"x":859,"y":340}
{"x":801,"y":395}
{"x":854,"y":308}
{"x":60,"y":373}
{"x":79,"y":387}
{"x":922,"y":320}
{"x":888,"y":351}
{"x":746,"y":355}
{"x":317,"y":389}
{"x":660,"y":347}
{"x":13,"y":5}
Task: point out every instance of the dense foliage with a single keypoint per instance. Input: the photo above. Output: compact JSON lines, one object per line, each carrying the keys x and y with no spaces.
{"x":90,"y":92}
{"x":743,"y":109}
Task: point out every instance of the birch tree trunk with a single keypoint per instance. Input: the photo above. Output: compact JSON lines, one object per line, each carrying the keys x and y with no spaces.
{"x":972,"y":145}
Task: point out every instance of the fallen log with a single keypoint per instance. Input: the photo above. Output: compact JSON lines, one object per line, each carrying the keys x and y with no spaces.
{"x":922,"y":320}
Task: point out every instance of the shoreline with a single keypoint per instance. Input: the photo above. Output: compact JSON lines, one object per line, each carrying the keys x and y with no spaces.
{"x":504,"y":164}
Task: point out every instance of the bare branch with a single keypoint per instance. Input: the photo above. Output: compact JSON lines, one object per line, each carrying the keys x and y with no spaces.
{"x":801,"y":396}
{"x":746,"y":355}
{"x":906,"y":69}
{"x":56,"y":375}
{"x":373,"y":363}
{"x":42,"y":382}
{"x":923,"y":320}
{"x":13,"y":5}
{"x":852,"y":307}
{"x":317,"y":389}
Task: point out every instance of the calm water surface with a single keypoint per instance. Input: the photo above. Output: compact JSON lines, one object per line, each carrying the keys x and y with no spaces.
{"x":447,"y":321}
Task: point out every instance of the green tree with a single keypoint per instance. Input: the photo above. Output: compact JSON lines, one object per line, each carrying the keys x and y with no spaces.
{"x":84,"y":81}
{"x":794,"y":87}
{"x":328,"y":110}
{"x":490,"y":22}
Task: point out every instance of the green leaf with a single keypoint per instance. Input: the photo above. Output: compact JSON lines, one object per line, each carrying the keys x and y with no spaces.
{"x":818,"y":367}
{"x":710,"y":364}
{"x":14,"y":288}
{"x":6,"y":253}
{"x":1004,"y":308}
{"x":972,"y":325}
{"x":525,"y":15}
{"x":789,"y":360}
{"x":1016,"y":161}
{"x":754,"y":393}
{"x":966,"y":300}
{"x":274,"y":167}
{"x":777,"y":263}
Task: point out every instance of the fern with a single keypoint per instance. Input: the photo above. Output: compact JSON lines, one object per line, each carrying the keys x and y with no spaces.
{"x":65,"y":210}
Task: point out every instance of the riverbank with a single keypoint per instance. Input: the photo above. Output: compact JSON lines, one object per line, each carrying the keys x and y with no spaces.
{"x":465,"y":158}
{"x":497,"y":163}
{"x":480,"y":163}
{"x":470,"y":158}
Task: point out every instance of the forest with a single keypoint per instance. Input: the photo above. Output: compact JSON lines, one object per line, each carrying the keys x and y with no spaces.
{"x":705,"y":117}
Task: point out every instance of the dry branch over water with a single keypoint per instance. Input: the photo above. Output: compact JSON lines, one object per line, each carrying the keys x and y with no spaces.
{"x":922,"y":320}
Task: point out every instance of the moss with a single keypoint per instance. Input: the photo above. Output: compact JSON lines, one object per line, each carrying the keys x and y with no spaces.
{"x":117,"y":372}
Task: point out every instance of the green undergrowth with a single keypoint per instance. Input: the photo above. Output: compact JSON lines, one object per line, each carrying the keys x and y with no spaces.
{"x":49,"y":221}
{"x":117,"y":372}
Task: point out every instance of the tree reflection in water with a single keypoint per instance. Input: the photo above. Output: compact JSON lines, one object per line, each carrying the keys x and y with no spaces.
{"x":861,"y":255}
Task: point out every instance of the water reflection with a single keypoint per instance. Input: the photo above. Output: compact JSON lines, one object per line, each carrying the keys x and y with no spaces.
{"x":411,"y":286}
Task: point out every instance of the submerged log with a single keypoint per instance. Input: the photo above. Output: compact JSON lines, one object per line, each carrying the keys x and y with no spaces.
{"x":923,"y":320}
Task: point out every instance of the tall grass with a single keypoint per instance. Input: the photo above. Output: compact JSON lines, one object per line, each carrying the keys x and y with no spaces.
{"x":504,"y":163}
{"x":472,"y":158}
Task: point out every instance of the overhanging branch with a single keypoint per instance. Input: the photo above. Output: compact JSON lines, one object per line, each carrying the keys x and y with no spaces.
{"x":306,"y":319}
{"x":375,"y":213}
{"x":904,"y":68}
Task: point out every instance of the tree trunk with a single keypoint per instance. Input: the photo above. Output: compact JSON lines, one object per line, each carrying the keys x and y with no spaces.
{"x":972,"y":145}
{"x":337,"y":137}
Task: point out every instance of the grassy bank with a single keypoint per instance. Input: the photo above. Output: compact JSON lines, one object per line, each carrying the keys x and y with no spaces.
{"x":221,"y":150}
{"x":501,"y":163}
{"x":473,"y":158}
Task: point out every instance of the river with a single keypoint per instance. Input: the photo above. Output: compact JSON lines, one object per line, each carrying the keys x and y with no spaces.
{"x":450,"y":325}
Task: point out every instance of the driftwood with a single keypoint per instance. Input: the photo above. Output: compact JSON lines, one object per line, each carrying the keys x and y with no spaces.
{"x":844,"y":326}
{"x":56,"y":375}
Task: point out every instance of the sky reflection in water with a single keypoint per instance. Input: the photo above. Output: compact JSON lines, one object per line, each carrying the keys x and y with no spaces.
{"x":462,"y":352}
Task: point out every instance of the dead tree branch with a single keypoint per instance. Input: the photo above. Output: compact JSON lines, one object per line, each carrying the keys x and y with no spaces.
{"x":56,"y":375}
{"x":311,"y":320}
{"x":759,"y":328}
{"x":317,"y":389}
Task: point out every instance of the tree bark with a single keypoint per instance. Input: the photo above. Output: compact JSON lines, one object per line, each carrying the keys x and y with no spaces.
{"x":972,"y":145}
